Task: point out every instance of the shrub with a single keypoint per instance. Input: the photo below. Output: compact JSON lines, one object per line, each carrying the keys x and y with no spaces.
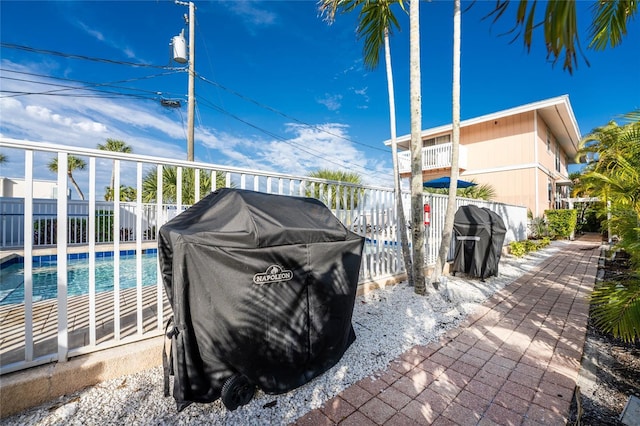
{"x":544,"y":242}
{"x":520,"y":248}
{"x":530,"y":245}
{"x":562,"y":223}
{"x":517,"y":248}
{"x":45,"y":231}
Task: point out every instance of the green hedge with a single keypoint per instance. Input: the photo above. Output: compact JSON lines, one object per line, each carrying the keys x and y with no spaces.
{"x":520,"y":248}
{"x":562,"y":223}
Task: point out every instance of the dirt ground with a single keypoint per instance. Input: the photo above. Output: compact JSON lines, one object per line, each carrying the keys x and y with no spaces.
{"x":605,"y":385}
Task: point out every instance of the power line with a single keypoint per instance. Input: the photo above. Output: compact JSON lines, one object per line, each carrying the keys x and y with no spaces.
{"x":301,"y":147}
{"x":248,"y":99}
{"x":173,"y":70}
{"x":83,"y":57}
{"x":87,"y":86}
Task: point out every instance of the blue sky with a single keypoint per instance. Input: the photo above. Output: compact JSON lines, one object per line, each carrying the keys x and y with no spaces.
{"x":280,"y":89}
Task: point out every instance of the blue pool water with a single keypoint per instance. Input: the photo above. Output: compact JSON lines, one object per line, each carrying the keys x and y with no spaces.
{"x":45,"y":276}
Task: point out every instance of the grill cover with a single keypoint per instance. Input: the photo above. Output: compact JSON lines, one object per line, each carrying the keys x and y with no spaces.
{"x":260,"y":285}
{"x":480,"y":234}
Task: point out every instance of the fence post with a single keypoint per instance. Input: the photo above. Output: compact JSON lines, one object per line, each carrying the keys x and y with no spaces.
{"x":63,"y":330}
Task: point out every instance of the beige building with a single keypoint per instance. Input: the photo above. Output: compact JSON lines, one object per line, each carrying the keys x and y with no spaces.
{"x":522,"y":152}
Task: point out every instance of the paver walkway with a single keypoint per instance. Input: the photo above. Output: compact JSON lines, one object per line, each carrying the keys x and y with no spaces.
{"x":513,"y":362}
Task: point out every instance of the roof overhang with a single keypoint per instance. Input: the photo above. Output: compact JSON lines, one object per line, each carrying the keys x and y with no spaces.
{"x":556,"y":112}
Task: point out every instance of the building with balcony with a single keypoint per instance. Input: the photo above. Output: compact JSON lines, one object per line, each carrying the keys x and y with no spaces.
{"x":522,"y":152}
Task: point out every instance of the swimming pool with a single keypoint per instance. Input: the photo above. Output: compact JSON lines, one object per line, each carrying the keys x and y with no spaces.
{"x":45,"y":275}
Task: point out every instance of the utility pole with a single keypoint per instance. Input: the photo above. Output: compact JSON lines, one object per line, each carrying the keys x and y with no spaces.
{"x":192,"y":73}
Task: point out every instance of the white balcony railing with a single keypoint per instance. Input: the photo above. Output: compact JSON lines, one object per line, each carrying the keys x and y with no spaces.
{"x":433,"y":157}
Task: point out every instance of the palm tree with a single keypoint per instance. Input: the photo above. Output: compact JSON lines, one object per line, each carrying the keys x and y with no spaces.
{"x":115,"y":146}
{"x":127,"y":193}
{"x":3,"y":158}
{"x":73,"y":163}
{"x":376,"y":22}
{"x":169,"y":185}
{"x":417,"y":224}
{"x":560,"y":26}
{"x":614,"y":176}
{"x":447,"y":229}
{"x":333,"y":195}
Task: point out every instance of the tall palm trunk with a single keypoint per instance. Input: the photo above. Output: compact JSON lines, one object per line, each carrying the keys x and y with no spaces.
{"x":404,"y":244}
{"x":75,"y":184}
{"x":417,"y":224}
{"x":455,"y":148}
{"x":113,"y":180}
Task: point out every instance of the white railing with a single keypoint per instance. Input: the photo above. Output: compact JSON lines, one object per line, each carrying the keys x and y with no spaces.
{"x":433,"y":157}
{"x":514,"y":218}
{"x":77,"y":324}
{"x":45,"y":222}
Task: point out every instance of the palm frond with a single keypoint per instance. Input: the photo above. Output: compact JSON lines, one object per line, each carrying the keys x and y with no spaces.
{"x":609,"y":24}
{"x":617,"y":308}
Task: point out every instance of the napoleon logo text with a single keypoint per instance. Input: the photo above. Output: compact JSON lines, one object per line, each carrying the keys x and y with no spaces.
{"x":274,"y":274}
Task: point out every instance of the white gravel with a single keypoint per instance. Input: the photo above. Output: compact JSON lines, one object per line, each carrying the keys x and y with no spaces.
{"x":387,"y":323}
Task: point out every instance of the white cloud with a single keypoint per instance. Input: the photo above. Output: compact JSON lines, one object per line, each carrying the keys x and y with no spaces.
{"x":94,"y":33}
{"x":332,"y":102}
{"x":151,"y":130}
{"x":109,"y":41}
{"x":251,"y":12}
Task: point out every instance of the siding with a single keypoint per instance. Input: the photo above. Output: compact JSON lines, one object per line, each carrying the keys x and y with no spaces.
{"x":500,"y":143}
{"x":514,"y":187}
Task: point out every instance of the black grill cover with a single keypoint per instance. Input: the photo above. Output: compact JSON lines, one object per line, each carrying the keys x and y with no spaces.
{"x":260,"y":285}
{"x":479,"y":234}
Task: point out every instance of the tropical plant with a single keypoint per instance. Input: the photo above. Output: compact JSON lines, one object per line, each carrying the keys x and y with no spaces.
{"x":170,"y":187}
{"x":447,"y":228}
{"x":3,"y":158}
{"x":538,"y":227}
{"x":115,"y":146}
{"x":614,"y":176}
{"x":560,"y":26}
{"x":73,"y":163}
{"x":334,"y":195}
{"x":376,"y":21}
{"x":617,"y":307}
{"x":127,"y":193}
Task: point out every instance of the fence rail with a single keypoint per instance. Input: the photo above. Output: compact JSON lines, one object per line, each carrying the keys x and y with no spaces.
{"x":156,"y":190}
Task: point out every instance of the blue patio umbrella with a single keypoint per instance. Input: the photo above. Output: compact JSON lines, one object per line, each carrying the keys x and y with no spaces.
{"x":443,"y":182}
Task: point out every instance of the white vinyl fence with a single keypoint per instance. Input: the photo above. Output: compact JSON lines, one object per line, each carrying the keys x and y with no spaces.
{"x":40,"y":239}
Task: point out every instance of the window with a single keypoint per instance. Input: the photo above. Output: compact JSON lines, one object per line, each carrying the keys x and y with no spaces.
{"x":437,"y":140}
{"x":429,"y":142}
{"x":562,"y":193}
{"x":548,"y":139}
{"x":443,"y":139}
{"x":549,"y":191}
{"x":557,"y":157}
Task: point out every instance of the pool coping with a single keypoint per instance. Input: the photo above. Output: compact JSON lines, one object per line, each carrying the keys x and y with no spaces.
{"x":10,"y":257}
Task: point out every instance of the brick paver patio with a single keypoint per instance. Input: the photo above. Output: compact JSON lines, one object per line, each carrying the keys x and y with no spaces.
{"x":515,"y":361}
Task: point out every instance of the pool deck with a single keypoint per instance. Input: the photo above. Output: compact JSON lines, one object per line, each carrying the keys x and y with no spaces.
{"x":45,"y":322}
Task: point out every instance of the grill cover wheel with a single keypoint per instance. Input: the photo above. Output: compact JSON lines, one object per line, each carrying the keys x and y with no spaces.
{"x":237,"y":391}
